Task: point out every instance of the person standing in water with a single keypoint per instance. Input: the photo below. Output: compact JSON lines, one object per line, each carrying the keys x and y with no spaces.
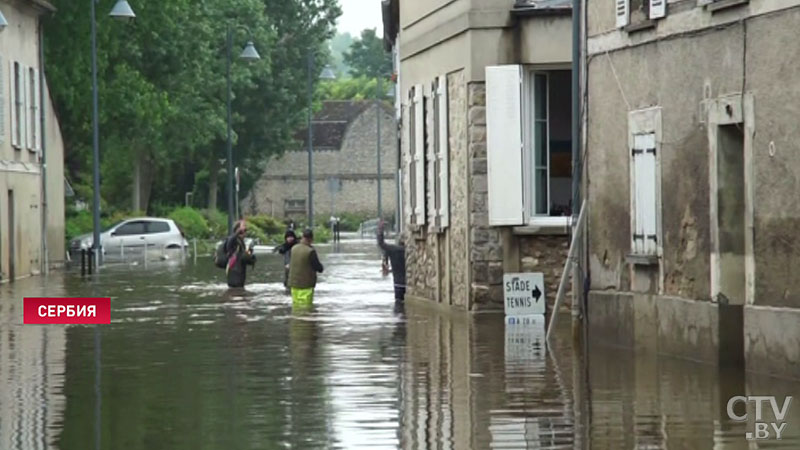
{"x":397,"y":257}
{"x":239,"y":256}
{"x":285,"y":249}
{"x":304,"y":265}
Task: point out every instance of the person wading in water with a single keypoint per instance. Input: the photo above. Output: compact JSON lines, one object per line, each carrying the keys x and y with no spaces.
{"x":239,"y":256}
{"x":285,"y":249}
{"x":397,"y":257}
{"x":303,"y":268}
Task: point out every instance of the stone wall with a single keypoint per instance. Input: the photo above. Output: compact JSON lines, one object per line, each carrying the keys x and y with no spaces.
{"x":546,"y":254}
{"x":355,"y":164}
{"x":459,"y":189}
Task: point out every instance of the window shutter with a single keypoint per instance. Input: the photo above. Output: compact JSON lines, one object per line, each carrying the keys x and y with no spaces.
{"x":645,"y":237}
{"x":2,"y":106}
{"x":24,"y":120}
{"x":13,"y":97}
{"x":37,"y":112}
{"x":419,"y":154}
{"x":410,"y":161}
{"x":658,"y":8}
{"x":622,"y":8}
{"x":444,"y":154}
{"x":504,"y":144}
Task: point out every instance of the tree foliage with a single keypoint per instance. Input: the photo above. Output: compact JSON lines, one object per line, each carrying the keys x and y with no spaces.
{"x":367,"y":57}
{"x":162,"y":90}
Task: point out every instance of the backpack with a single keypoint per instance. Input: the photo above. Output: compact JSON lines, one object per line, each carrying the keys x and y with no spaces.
{"x":221,"y":256}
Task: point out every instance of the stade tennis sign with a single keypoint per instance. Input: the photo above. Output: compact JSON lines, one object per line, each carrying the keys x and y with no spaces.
{"x":523,"y":293}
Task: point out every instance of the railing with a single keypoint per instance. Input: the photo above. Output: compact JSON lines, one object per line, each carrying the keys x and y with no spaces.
{"x":368,"y":228}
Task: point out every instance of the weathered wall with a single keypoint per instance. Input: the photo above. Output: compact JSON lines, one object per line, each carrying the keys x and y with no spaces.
{"x":458,"y":232}
{"x":355,"y":164}
{"x":643,"y":83}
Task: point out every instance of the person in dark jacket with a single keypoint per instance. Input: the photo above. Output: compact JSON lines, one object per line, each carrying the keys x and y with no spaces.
{"x":239,"y":256}
{"x":303,"y":268}
{"x":397,"y":258}
{"x":285,"y":249}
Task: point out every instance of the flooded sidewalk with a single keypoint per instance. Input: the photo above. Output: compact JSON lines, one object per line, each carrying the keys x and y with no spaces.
{"x":187,"y":363}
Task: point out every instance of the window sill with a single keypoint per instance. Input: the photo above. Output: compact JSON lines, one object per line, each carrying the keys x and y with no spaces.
{"x":648,"y":24}
{"x":725,"y":4}
{"x":642,"y":260}
{"x":545,"y":226}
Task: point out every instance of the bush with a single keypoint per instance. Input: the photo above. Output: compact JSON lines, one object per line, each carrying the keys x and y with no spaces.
{"x":322,"y":234}
{"x":77,"y":223}
{"x":255,"y":232}
{"x":267,"y":224}
{"x":191,"y":222}
{"x":217,"y":222}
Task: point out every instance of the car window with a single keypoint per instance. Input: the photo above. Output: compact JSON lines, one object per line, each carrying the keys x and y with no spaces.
{"x":130,"y":228}
{"x":157,"y":227}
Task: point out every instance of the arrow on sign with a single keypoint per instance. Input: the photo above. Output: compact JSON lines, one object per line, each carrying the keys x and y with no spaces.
{"x":536,"y":293}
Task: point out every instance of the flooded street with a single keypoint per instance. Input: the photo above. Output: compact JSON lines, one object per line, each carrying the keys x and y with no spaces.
{"x":188,"y":364}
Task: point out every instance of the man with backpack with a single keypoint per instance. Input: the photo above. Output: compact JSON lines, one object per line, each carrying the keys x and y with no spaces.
{"x":234,"y":256}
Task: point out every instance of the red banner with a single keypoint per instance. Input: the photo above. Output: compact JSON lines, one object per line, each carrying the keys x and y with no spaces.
{"x":46,"y":311}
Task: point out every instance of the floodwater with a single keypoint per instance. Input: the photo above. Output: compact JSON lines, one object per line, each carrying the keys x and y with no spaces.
{"x":187,"y":364}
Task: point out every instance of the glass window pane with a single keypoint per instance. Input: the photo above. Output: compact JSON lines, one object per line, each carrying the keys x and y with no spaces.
{"x":541,"y":192}
{"x":158,"y":227}
{"x":540,"y":144}
{"x":541,"y":96}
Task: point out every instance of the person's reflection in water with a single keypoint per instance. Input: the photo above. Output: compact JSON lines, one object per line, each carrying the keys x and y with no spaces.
{"x":308,"y":423}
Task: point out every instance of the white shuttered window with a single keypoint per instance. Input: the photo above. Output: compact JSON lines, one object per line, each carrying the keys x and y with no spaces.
{"x":442,"y":153}
{"x":504,"y":145}
{"x":16,"y":106}
{"x":621,"y":9}
{"x":658,"y":8}
{"x":415,"y":132}
{"x":644,"y":194}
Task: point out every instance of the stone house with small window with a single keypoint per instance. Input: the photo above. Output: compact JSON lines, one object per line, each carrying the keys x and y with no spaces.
{"x":31,"y":149}
{"x":345,"y":166}
{"x":485,"y":106}
{"x":692,"y":169}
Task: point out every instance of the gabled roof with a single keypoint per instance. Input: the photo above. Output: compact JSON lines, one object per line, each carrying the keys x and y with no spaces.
{"x":331,"y":122}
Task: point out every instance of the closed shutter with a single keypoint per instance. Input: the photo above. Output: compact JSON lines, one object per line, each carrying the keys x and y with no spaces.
{"x":24,"y":119}
{"x":645,"y":237}
{"x":444,"y":154}
{"x":2,"y":105}
{"x":622,"y":11}
{"x":419,"y":155}
{"x":13,"y":84}
{"x":504,"y":144}
{"x":410,"y":161}
{"x":37,"y":112}
{"x":658,"y":8}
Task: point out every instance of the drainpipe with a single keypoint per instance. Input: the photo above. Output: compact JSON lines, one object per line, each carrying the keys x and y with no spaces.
{"x":576,"y":156}
{"x":43,"y":134}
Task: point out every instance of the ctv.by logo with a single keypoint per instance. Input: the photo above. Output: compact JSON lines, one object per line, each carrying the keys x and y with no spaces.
{"x":763,"y":430}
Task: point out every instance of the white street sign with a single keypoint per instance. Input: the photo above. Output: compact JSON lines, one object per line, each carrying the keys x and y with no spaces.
{"x":523,"y":293}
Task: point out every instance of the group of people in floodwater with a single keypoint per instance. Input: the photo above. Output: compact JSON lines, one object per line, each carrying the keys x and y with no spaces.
{"x":301,"y":262}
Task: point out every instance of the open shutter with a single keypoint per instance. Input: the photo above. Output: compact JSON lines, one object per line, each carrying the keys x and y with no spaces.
{"x":12,"y":77}
{"x":410,"y":161}
{"x":444,"y":154}
{"x":419,"y":155}
{"x":658,"y":8}
{"x":622,"y":11}
{"x":645,"y":237}
{"x":504,"y":144}
{"x":37,"y":112}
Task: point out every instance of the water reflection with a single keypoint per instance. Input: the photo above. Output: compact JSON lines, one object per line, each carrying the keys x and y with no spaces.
{"x":189,"y":364}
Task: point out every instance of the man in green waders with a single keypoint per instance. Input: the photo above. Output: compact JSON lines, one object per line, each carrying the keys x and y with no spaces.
{"x":303,"y":268}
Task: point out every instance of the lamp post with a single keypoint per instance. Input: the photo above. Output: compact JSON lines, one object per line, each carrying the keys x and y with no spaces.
{"x":327,"y":74}
{"x":121,"y":11}
{"x":250,"y":54}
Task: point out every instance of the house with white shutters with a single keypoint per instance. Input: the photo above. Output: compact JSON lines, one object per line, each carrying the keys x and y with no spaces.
{"x":693,"y":176}
{"x":485,"y":108}
{"x":31,"y":149}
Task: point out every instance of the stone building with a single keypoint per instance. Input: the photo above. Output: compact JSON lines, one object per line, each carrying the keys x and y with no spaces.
{"x":692,"y":153}
{"x":485,"y":97}
{"x":344,"y":164}
{"x":31,"y":192}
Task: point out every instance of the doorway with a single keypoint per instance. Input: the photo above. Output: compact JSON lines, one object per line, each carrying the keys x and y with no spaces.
{"x":731,"y":213}
{"x":11,"y":232}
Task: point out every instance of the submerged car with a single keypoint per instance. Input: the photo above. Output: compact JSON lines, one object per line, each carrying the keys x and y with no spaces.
{"x":134,"y":234}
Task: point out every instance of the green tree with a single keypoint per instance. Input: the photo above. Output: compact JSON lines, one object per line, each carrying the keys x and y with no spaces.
{"x":338,"y":45}
{"x":367,"y":57}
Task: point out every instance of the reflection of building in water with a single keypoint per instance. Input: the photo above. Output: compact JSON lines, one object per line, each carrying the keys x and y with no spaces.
{"x":462,"y":389}
{"x":32,"y":373}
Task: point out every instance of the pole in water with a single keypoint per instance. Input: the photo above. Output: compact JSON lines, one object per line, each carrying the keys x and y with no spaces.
{"x":91,"y":259}
{"x":145,"y":254}
{"x":121,"y":249}
{"x":195,"y":249}
{"x":83,"y":261}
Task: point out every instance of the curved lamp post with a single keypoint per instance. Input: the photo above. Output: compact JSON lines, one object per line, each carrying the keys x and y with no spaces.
{"x":249,"y":53}
{"x":122,"y":11}
{"x":326,"y":74}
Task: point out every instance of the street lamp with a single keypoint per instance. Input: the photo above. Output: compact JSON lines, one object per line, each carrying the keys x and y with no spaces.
{"x":327,"y":74}
{"x":248,"y":54}
{"x":121,"y":11}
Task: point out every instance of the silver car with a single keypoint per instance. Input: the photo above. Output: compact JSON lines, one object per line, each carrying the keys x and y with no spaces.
{"x":134,"y":234}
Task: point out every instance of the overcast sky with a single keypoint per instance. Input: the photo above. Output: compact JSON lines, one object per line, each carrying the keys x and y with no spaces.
{"x":360,"y":14}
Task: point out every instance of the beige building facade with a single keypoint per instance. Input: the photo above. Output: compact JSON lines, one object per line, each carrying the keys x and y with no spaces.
{"x":484,"y":99}
{"x":31,"y":150}
{"x":691,"y":149}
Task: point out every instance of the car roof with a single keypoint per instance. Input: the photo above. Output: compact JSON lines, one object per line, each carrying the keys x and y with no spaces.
{"x":147,"y":218}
